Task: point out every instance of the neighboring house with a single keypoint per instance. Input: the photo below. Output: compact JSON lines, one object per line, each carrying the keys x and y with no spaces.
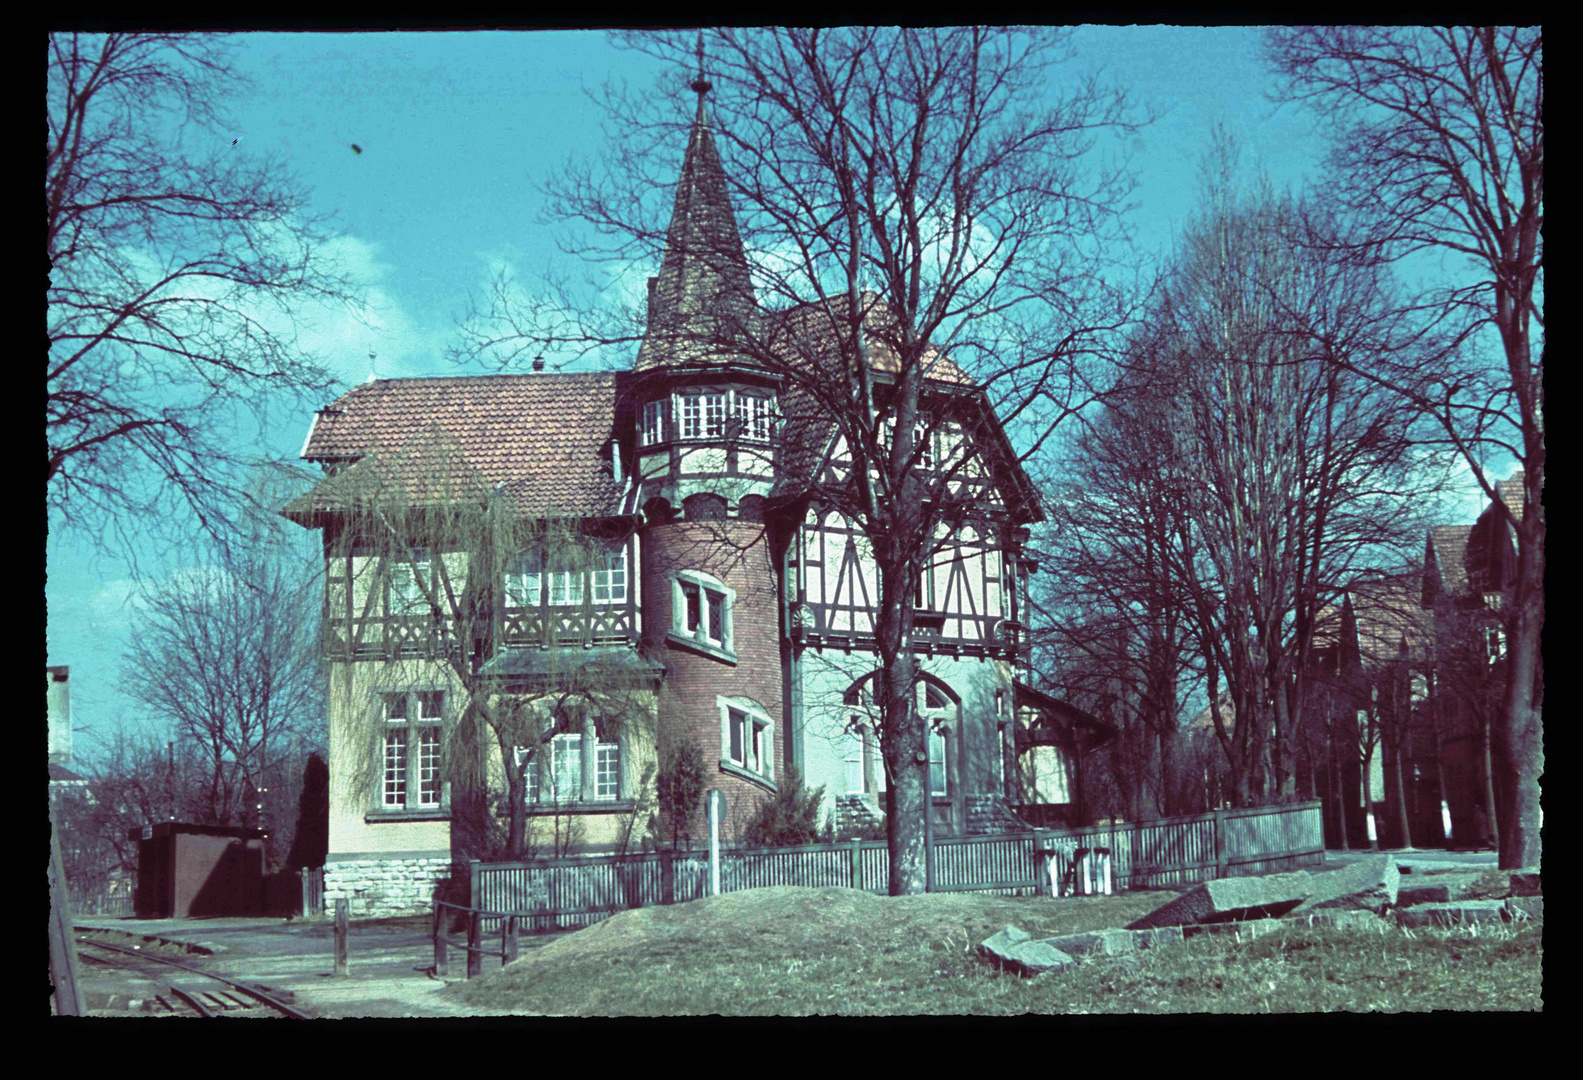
{"x":726,"y":608}
{"x":1467,"y":579}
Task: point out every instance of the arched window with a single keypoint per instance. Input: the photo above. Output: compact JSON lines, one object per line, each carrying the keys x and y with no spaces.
{"x":936,"y":703}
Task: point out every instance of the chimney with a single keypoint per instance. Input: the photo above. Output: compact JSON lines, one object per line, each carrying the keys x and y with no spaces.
{"x":538,"y":363}
{"x":653,"y":281}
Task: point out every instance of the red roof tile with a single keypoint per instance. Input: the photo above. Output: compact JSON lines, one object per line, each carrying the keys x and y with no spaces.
{"x":538,"y":437}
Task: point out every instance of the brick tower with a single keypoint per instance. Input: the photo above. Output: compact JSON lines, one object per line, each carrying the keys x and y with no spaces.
{"x":705,"y":418}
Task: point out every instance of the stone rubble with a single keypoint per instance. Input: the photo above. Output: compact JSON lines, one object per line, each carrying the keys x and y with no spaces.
{"x":1365,"y":895}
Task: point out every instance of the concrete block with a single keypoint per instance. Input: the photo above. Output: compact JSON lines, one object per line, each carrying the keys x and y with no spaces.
{"x":1158,"y":937}
{"x":1098,"y":943}
{"x":1003,"y":941}
{"x":1519,"y":908}
{"x":1526,"y":883}
{"x":1424,"y":894}
{"x":1371,"y":884}
{"x":1250,"y":928}
{"x":1037,"y":957}
{"x":1456,"y":914}
{"x":1232,"y":900}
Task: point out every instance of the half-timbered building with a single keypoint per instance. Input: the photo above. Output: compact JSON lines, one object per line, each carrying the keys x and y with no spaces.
{"x":681,"y":558}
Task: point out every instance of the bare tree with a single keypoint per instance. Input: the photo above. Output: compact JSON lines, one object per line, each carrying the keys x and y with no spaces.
{"x":176,"y":260}
{"x":229,"y":655}
{"x":928,"y":226}
{"x":1282,"y":473}
{"x":1438,"y":146}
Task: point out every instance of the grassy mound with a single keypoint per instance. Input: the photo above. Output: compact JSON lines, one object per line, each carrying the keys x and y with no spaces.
{"x":796,"y":951}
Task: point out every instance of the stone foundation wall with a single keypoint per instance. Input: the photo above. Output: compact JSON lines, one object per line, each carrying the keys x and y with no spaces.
{"x":990,"y":814}
{"x":378,"y":888}
{"x":854,"y":812}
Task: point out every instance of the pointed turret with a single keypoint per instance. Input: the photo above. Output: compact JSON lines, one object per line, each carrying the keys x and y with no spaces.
{"x":703,"y":295}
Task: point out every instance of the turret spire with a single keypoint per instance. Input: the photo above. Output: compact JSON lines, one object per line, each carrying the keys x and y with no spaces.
{"x":703,"y":295}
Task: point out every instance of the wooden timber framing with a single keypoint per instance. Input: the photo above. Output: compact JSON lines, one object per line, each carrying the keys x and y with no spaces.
{"x":832,"y":591}
{"x":360,"y":624}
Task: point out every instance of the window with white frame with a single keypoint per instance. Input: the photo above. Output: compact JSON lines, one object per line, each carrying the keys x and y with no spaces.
{"x":755,"y":416}
{"x":852,"y":759}
{"x":746,"y":736}
{"x":608,"y":577}
{"x":409,"y":580}
{"x":524,"y":580}
{"x":557,"y":776}
{"x":937,"y":777}
{"x":653,"y":429}
{"x":701,"y":610}
{"x":564,"y":581}
{"x":703,"y":414}
{"x":413,"y":719}
{"x":938,"y":711}
{"x":1494,"y":643}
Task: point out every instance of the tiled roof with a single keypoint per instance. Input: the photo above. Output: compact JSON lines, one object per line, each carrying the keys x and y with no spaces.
{"x":703,"y":293}
{"x":1510,"y":491}
{"x":1390,"y":612}
{"x":1451,"y":545}
{"x":536,"y":437}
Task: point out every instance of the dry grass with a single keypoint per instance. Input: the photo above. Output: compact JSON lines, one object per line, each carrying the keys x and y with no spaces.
{"x":793,"y":951}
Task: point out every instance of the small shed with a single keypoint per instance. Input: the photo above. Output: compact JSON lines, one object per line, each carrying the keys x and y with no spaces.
{"x":186,"y":870}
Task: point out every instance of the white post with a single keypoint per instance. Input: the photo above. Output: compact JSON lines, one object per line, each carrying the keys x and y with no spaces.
{"x":1104,"y":874}
{"x":1445,"y":818}
{"x":716,"y":806}
{"x":1082,"y":872}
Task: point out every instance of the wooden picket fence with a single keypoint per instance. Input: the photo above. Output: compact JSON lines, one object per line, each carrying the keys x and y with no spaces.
{"x":553,"y":894}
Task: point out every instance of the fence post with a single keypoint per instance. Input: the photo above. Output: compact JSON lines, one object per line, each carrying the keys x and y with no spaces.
{"x":302,"y":880}
{"x":475,"y":957}
{"x":508,"y":944}
{"x":442,"y":963}
{"x":1222,"y":853}
{"x":474,"y":885}
{"x":857,"y":863}
{"x":667,"y":877}
{"x":342,"y":908}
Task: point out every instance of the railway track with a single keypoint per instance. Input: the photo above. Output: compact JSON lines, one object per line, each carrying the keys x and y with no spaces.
{"x":236,"y":999}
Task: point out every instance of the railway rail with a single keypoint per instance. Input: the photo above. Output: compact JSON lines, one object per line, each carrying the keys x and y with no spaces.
{"x":177,"y":998}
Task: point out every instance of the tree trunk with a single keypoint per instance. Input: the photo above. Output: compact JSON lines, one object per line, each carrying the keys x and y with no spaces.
{"x":1521,"y":742}
{"x":1335,"y":785}
{"x":1492,"y":819}
{"x":1403,"y":823}
{"x":1368,"y":799}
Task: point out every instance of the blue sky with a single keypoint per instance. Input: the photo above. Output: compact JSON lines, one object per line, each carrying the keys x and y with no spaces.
{"x":456,"y":128}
